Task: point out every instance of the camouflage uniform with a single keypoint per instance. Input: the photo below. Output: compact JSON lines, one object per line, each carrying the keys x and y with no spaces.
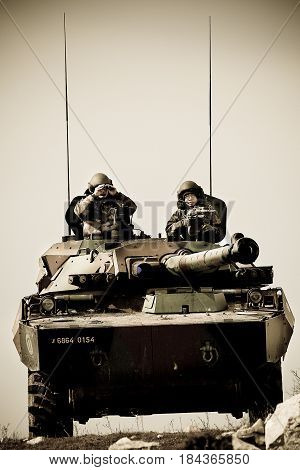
{"x":192,"y":222}
{"x":108,"y":217}
{"x":205,"y":228}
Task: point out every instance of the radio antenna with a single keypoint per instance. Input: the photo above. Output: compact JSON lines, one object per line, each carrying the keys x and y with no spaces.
{"x":67,"y":115}
{"x":210,"y":161}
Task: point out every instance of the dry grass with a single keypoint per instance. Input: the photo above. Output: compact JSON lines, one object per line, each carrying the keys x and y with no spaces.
{"x":168,"y":441}
{"x":207,"y":439}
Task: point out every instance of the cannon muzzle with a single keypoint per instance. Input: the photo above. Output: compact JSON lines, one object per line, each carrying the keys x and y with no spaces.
{"x":244,"y":250}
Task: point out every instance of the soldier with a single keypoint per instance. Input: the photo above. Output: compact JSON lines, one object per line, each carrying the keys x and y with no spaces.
{"x":195,"y":219}
{"x":102,"y":212}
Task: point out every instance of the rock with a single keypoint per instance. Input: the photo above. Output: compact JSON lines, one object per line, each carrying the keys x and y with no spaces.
{"x":257,"y":428}
{"x":35,"y":440}
{"x":127,"y":444}
{"x":227,"y":433}
{"x":238,"y":444}
{"x":276,"y":424}
{"x":294,"y":424}
{"x":260,"y":440}
{"x":254,"y":434}
{"x":292,"y":433}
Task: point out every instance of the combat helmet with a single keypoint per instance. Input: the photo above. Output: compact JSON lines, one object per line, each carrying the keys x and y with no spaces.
{"x":190,"y":187}
{"x":99,"y":178}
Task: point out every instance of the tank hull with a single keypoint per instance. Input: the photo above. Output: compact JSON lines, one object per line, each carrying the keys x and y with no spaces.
{"x":160,"y":364}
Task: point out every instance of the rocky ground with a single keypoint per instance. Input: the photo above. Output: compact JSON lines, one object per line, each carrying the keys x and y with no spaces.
{"x":209,"y":440}
{"x":165,"y":441}
{"x":281,"y":430}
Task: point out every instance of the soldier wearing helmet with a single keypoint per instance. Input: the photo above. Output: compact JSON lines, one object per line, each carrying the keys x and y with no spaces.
{"x":102,"y":211}
{"x":195,"y":219}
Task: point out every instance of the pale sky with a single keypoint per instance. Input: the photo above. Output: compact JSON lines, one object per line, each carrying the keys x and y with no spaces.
{"x":138,"y":88}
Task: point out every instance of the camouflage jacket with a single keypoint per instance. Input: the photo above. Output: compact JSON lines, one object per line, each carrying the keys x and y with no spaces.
{"x":106,"y":215}
{"x":177,"y":226}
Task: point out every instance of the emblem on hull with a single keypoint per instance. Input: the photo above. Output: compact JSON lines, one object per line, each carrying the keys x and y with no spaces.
{"x":210,"y":354}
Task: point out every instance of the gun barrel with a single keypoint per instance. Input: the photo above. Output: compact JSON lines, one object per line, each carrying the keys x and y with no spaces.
{"x":245,"y":251}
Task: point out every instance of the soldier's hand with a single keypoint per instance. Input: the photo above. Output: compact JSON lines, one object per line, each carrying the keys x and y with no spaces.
{"x":185,"y":222}
{"x":100,"y":191}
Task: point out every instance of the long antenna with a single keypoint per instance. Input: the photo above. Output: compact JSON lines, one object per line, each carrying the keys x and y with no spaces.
{"x":67,"y":116}
{"x":210,"y":162}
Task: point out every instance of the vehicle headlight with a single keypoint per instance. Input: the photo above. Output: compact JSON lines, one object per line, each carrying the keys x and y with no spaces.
{"x":82,"y":279}
{"x":255,"y":297}
{"x":48,"y":304}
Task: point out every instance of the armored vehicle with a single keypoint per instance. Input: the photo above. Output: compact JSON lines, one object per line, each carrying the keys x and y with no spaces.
{"x":151,"y":325}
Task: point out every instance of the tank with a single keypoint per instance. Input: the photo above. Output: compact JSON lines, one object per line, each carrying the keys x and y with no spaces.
{"x":148,"y":326}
